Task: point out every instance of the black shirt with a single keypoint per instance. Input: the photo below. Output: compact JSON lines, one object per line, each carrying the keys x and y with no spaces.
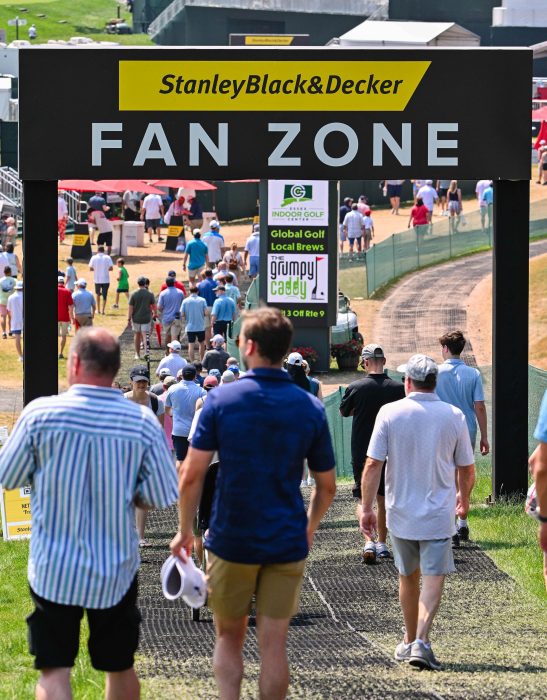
{"x":365,"y":398}
{"x":215,"y":359}
{"x":344,"y":209}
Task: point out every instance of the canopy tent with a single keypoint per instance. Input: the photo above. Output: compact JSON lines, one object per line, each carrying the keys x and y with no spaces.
{"x":184,"y":184}
{"x":371,"y":33}
{"x":122,"y":185}
{"x":84,"y":186}
{"x":539,"y":115}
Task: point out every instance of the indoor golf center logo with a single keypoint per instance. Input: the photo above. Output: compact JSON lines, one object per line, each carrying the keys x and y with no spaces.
{"x":297,"y":193}
{"x":299,"y":279}
{"x":298,"y":203}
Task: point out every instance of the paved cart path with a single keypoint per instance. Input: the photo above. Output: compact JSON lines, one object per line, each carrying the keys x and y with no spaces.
{"x":424,"y":305}
{"x":489,"y":637}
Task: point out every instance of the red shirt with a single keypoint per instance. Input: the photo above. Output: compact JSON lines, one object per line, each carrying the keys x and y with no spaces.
{"x":419,"y":215}
{"x":64,"y":300}
{"x":178,"y":285}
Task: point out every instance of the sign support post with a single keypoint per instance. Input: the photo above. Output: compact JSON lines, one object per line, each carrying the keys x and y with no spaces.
{"x":510,"y":337}
{"x":40,"y":366}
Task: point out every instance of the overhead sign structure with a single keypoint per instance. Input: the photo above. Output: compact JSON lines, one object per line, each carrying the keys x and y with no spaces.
{"x":297,"y":115}
{"x":270,"y":113}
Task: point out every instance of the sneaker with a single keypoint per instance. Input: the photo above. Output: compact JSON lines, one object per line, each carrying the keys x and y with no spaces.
{"x":115,"y":306}
{"x":382,"y":552}
{"x":455,"y":541}
{"x":311,"y":482}
{"x":423,"y":657}
{"x":303,"y":483}
{"x":144,"y":543}
{"x":20,"y":359}
{"x":402,"y":652}
{"x":160,"y":239}
{"x":369,"y":553}
{"x":61,"y":356}
{"x":137,"y":357}
{"x":4,"y":336}
{"x":463,"y":533}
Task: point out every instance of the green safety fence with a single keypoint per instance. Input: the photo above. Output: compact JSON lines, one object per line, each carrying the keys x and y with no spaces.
{"x":413,"y":249}
{"x":340,"y":428}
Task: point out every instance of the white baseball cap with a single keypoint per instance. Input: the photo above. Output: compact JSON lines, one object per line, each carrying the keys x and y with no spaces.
{"x":183,"y":578}
{"x":174,"y":345}
{"x":295,"y":358}
{"x":419,"y":367}
{"x":81,"y":283}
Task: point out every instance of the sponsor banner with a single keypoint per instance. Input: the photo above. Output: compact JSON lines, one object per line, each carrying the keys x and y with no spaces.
{"x":298,"y":202}
{"x":16,"y":520}
{"x":269,"y":39}
{"x":300,"y":279}
{"x":284,"y":86}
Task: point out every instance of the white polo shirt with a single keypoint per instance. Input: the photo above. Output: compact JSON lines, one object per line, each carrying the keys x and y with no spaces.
{"x":101,"y":265}
{"x":151,"y":204}
{"x":424,"y":439}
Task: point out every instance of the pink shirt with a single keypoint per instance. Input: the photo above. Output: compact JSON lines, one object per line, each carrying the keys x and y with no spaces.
{"x":167,"y":423}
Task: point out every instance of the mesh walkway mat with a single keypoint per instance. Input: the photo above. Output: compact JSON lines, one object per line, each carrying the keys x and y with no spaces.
{"x":489,"y":638}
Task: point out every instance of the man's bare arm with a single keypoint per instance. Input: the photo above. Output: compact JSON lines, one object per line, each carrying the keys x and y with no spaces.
{"x":321,"y":498}
{"x":482,"y":420}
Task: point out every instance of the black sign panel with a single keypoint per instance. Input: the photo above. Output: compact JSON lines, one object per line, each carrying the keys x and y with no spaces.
{"x":270,"y":113}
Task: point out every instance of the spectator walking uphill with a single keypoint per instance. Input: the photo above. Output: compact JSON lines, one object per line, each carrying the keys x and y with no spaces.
{"x":15,"y":313}
{"x":424,"y":440}
{"x":252,"y":251}
{"x":140,"y":312}
{"x":65,"y":313}
{"x":84,"y":513}
{"x":101,"y":265}
{"x":84,"y":305}
{"x":354,"y":228}
{"x":152,"y":213}
{"x":7,"y":285}
{"x":262,"y":554}
{"x":362,"y":400}
{"x":195,"y":257}
{"x":461,"y":386}
{"x":169,"y":306}
{"x":173,"y":361}
{"x":139,"y":393}
{"x":194,"y":311}
{"x":180,"y":404}
{"x":217,"y":357}
{"x":538,"y":467}
{"x":123,"y":282}
{"x":224,"y":311}
{"x":215,"y":243}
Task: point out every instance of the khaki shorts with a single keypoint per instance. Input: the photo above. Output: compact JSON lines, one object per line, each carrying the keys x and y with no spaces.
{"x":195,"y":271}
{"x":231,"y":587}
{"x":84,"y":320}
{"x":174,"y":327}
{"x":62,"y":329}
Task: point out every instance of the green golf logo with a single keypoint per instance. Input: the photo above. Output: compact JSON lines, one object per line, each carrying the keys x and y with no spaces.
{"x":297,"y":193}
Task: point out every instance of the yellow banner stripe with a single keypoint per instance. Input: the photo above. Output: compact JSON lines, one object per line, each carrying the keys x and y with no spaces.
{"x":281,"y":86}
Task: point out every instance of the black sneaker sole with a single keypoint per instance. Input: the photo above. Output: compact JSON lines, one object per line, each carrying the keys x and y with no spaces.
{"x":421,"y":664}
{"x":369,"y":558}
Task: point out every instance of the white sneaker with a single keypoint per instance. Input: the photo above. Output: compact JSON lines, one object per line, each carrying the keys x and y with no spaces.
{"x":20,"y":359}
{"x":303,"y":483}
{"x":311,"y":482}
{"x":137,"y":357}
{"x":369,"y":553}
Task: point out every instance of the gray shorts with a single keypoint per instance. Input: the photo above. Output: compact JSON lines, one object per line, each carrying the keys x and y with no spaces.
{"x":432,"y":557}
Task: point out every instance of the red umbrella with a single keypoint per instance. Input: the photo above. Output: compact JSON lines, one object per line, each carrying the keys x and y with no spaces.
{"x":187,"y":184}
{"x":241,"y":180}
{"x":122,"y":185}
{"x":84,"y":186}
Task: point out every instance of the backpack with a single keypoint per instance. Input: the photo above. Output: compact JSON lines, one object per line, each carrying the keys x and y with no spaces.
{"x":154,"y":403}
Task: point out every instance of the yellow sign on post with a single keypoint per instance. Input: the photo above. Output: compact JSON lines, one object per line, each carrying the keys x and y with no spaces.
{"x":16,"y":518}
{"x":175,"y":231}
{"x":80,"y":239}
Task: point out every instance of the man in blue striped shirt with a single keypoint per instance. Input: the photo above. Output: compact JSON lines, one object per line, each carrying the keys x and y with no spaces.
{"x":90,"y":456}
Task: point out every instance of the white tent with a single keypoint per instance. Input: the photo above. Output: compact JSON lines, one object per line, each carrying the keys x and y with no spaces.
{"x":371,"y":33}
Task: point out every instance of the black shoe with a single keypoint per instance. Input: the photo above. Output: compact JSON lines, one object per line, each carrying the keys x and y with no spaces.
{"x":455,"y":541}
{"x":463,"y":533}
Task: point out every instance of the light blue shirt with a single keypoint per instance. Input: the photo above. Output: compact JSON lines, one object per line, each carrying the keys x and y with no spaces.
{"x":84,"y":301}
{"x":223,"y":309}
{"x":169,"y":302}
{"x":182,"y":399}
{"x":488,"y":195}
{"x":196,"y":250}
{"x":461,"y":385}
{"x":87,"y":454}
{"x":70,"y":277}
{"x":193,"y":309}
{"x":541,"y":428}
{"x":232,"y":292}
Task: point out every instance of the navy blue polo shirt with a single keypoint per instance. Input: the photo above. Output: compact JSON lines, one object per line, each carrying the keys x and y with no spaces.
{"x":264,"y":427}
{"x":206,"y":289}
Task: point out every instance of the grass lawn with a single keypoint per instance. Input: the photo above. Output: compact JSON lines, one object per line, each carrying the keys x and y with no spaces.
{"x":64,"y":19}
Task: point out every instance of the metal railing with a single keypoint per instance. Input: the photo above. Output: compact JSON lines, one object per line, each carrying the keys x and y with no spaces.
{"x":11,"y":191}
